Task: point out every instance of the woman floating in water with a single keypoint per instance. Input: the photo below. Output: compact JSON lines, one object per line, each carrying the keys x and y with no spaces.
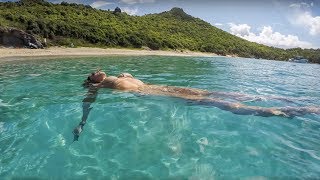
{"x":126,"y":82}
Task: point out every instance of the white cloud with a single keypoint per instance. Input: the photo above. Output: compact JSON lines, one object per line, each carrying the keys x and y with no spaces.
{"x":301,"y":15}
{"x":98,"y":4}
{"x":301,"y":5}
{"x":268,"y":37}
{"x":69,"y":1}
{"x":136,"y":1}
{"x":306,"y":20}
{"x":295,"y":5}
{"x":218,"y":24}
{"x":130,"y":11}
{"x":239,"y":30}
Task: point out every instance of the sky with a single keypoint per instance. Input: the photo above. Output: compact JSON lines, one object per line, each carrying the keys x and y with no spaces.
{"x":278,"y":23}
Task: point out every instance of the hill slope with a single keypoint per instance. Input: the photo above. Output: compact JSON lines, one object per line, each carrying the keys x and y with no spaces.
{"x":82,"y":25}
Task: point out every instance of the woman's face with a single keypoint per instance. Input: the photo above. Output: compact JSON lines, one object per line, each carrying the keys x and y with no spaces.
{"x":98,"y":77}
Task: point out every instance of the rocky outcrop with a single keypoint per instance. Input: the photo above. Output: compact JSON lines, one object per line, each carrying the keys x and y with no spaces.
{"x":12,"y":37}
{"x":117,"y":10}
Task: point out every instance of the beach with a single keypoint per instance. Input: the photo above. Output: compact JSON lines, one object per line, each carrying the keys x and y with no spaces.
{"x":14,"y":53}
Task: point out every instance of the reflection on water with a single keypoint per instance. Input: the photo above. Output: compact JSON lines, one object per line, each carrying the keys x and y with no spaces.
{"x":130,"y":136}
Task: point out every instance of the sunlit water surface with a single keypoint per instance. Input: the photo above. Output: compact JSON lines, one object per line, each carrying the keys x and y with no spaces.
{"x":129,"y":136}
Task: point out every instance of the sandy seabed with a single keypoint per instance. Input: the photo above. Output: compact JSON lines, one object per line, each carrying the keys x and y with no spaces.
{"x":15,"y":54}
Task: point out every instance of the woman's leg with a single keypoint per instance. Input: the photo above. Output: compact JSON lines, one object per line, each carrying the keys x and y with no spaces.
{"x":238,"y":108}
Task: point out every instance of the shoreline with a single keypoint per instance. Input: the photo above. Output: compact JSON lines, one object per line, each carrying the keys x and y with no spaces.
{"x":55,"y":52}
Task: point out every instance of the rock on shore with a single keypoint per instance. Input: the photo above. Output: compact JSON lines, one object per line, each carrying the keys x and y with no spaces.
{"x":12,"y":37}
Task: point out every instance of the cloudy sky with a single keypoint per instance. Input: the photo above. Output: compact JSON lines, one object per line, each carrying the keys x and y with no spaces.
{"x":280,"y":23}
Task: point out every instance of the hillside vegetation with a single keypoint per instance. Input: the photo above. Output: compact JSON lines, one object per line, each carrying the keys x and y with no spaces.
{"x":65,"y":23}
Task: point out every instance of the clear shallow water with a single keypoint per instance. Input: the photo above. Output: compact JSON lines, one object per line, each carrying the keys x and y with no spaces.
{"x":128,"y":136}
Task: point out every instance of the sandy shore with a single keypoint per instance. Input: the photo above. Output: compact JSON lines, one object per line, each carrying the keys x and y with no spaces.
{"x":12,"y":54}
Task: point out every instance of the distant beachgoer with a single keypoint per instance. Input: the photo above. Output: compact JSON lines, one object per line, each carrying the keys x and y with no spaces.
{"x":45,"y":42}
{"x":126,"y":82}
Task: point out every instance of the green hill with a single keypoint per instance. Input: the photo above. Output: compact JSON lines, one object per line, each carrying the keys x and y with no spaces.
{"x":82,"y":25}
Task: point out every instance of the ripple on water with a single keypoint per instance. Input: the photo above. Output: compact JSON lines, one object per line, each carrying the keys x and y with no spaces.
{"x":2,"y":128}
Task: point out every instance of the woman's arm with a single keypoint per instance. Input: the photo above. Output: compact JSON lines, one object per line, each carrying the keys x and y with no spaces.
{"x":86,"y":108}
{"x":87,"y":101}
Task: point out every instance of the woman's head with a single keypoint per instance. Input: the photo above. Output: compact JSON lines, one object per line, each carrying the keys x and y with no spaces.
{"x":95,"y":77}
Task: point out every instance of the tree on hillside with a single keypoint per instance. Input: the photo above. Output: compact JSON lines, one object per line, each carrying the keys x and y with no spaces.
{"x":174,"y":29}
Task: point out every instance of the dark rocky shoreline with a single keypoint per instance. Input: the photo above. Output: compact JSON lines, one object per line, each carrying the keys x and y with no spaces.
{"x":12,"y":37}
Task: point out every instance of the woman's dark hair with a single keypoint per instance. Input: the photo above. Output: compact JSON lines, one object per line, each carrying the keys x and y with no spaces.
{"x":86,"y":83}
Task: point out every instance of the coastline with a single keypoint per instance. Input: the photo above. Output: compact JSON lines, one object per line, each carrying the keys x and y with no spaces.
{"x":18,"y":54}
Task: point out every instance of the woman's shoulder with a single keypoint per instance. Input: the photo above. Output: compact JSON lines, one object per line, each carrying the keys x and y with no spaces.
{"x":109,"y":82}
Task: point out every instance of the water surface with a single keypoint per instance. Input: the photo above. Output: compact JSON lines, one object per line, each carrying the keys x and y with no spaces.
{"x":129,"y":136}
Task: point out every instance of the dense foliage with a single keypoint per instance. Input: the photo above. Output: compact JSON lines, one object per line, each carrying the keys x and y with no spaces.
{"x":82,"y":25}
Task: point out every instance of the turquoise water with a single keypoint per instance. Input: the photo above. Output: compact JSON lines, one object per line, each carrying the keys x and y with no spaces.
{"x":129,"y":136}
